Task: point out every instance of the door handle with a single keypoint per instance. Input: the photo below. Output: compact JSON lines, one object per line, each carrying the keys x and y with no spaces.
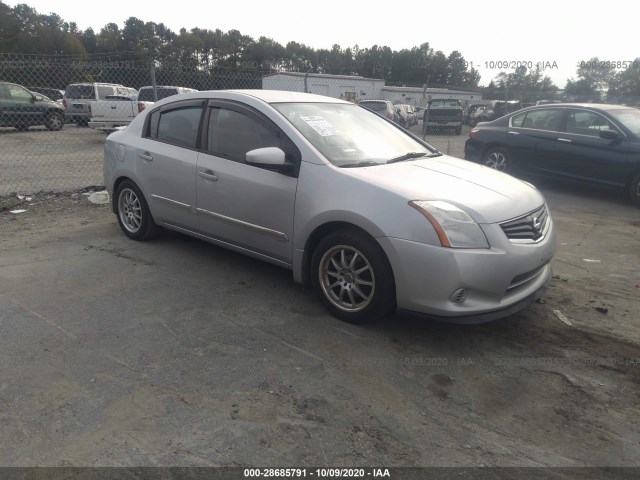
{"x":145,"y":156}
{"x":208,"y":175}
{"x":566,"y":140}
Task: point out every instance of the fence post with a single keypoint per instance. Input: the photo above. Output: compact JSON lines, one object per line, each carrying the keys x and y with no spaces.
{"x":152,"y":72}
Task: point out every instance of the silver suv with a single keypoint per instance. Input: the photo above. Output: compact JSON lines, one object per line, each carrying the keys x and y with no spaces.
{"x":78,"y":97}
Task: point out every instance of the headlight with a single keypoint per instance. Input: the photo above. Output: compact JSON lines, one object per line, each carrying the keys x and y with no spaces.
{"x":455,"y":227}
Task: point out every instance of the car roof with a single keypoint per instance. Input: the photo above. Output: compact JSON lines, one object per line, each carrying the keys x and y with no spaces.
{"x":278,"y":96}
{"x":600,"y":106}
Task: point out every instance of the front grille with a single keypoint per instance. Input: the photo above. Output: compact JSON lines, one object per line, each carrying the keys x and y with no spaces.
{"x":528,"y":228}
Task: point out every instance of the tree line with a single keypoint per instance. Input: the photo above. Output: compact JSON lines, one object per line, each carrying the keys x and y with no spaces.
{"x":25,"y":31}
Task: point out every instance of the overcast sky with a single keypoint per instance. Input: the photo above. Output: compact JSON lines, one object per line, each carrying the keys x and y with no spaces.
{"x":483,"y":31}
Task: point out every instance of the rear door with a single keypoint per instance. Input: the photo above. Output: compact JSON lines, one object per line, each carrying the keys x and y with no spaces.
{"x":537,"y":136}
{"x":528,"y":136}
{"x":166,"y":162}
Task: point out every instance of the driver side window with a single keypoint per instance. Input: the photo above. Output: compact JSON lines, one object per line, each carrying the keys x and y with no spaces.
{"x":16,"y":92}
{"x":232,"y":134}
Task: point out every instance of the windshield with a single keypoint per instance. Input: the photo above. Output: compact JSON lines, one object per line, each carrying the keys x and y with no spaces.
{"x":375,"y":106}
{"x":146,"y":93}
{"x":629,"y":117}
{"x":445,"y":103}
{"x":348,"y":135}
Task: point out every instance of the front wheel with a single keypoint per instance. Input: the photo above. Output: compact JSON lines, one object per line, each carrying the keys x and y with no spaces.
{"x":352,"y":277}
{"x":55,"y":121}
{"x":498,"y":158}
{"x":133,"y":212}
{"x":634,"y":190}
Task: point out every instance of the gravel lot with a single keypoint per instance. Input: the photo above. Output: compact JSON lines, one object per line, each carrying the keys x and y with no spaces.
{"x":176,"y":352}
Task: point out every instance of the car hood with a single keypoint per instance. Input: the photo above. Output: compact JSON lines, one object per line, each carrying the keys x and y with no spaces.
{"x":487,"y":195}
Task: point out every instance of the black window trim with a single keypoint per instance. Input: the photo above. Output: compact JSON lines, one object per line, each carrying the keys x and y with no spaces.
{"x":201,"y":102}
{"x":295,"y":157}
{"x":561,"y":127}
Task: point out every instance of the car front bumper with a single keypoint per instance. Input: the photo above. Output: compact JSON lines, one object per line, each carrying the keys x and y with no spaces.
{"x":470,"y":285}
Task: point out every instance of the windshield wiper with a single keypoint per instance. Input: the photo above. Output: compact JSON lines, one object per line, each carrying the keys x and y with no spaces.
{"x":407,"y":156}
{"x":365,"y":163}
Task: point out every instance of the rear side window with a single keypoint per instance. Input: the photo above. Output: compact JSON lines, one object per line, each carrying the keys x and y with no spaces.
{"x":104,"y":90}
{"x":80,"y":92}
{"x":549,"y":120}
{"x":178,"y":126}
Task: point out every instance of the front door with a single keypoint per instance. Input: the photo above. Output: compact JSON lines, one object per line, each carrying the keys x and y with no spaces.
{"x":246,"y":205}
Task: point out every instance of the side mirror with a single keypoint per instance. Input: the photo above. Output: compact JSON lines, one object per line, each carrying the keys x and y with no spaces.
{"x":609,"y":135}
{"x":37,"y":98}
{"x":268,"y":156}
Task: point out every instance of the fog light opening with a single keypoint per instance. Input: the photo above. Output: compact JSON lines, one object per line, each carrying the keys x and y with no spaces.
{"x":458,"y":296}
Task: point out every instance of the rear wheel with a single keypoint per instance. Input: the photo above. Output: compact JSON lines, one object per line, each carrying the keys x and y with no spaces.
{"x":458,"y":130}
{"x":55,"y":121}
{"x":498,"y":158}
{"x":352,"y":277}
{"x":634,"y":190}
{"x":133,"y":212}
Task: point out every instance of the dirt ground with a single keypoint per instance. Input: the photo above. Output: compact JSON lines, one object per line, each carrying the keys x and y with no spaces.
{"x":178,"y":353}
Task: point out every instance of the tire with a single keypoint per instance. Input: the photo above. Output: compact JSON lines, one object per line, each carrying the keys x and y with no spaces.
{"x":634,"y":190}
{"x":458,"y":130}
{"x":498,"y":158}
{"x":82,"y":123}
{"x":22,"y":128}
{"x":54,"y":122}
{"x":133,"y":212}
{"x":352,"y":277}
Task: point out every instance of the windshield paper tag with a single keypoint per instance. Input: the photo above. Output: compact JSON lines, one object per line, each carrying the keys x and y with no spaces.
{"x":320,"y":125}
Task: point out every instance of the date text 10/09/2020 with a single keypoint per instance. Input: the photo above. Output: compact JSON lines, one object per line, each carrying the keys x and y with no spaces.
{"x":316,"y":472}
{"x":514,"y":64}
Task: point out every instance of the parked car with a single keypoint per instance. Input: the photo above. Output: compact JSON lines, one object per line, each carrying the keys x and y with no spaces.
{"x":374,"y":218}
{"x":382,"y":107}
{"x":78,"y":97}
{"x":52,"y":93}
{"x":404,"y":117}
{"x":443,"y":114}
{"x":474,"y":118}
{"x":591,"y":143}
{"x":497,"y":109}
{"x":145,"y":94}
{"x":21,"y":108}
{"x":412,"y":117}
{"x":469,"y":112}
{"x":114,"y":111}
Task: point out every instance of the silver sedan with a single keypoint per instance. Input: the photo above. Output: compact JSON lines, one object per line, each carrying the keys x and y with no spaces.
{"x":374,"y":218}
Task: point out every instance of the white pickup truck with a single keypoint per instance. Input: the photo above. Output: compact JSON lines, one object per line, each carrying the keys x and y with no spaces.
{"x":114,"y":111}
{"x":118,"y":110}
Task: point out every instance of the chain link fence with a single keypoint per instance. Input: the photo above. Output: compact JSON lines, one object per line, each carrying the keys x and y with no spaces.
{"x":52,"y":141}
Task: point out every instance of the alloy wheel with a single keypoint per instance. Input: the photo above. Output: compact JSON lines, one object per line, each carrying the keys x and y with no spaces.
{"x":347,"y":278}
